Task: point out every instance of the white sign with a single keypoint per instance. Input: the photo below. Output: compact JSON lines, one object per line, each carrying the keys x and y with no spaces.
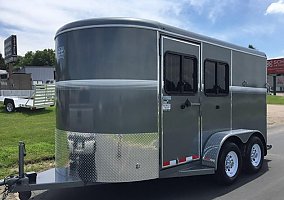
{"x":60,"y":52}
{"x":166,"y":106}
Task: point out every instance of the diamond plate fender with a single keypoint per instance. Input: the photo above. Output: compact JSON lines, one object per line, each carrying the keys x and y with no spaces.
{"x":214,"y":143}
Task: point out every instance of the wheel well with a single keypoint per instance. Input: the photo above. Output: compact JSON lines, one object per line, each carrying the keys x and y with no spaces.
{"x":8,"y":100}
{"x":260,"y":136}
{"x":238,"y":142}
{"x":242,"y":145}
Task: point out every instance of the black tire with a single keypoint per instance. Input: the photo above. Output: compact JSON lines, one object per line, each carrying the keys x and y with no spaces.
{"x":9,"y":106}
{"x":26,"y":195}
{"x":230,"y":175}
{"x":252,"y":160}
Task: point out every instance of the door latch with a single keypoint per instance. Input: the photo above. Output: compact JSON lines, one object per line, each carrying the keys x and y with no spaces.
{"x":187,"y":103}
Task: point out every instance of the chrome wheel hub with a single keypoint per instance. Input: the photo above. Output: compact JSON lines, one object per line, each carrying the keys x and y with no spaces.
{"x":231,"y":164}
{"x":255,"y":155}
{"x":9,"y":107}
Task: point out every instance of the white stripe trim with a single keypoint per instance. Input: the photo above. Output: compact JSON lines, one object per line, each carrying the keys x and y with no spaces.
{"x":160,"y":30}
{"x":173,"y":162}
{"x":189,"y":158}
{"x":106,"y":26}
{"x":181,"y":41}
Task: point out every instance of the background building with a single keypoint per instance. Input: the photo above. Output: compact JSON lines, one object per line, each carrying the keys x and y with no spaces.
{"x":39,"y":74}
{"x":275,"y":74}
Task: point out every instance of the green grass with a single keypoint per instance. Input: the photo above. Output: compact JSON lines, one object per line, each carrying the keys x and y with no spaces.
{"x":36,"y":128}
{"x":270,"y":99}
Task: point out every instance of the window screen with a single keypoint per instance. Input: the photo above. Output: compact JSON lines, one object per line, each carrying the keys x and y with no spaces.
{"x":173,"y":71}
{"x":188,"y":75}
{"x":180,"y":74}
{"x":209,"y":77}
{"x":216,"y":78}
{"x":222,"y":77}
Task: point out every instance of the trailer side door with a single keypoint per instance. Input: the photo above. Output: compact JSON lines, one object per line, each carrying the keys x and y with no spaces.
{"x":180,"y":103}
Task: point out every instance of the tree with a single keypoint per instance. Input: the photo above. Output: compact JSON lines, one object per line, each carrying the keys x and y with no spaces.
{"x":45,"y":57}
{"x":38,"y":58}
{"x":2,"y":62}
{"x":251,"y":46}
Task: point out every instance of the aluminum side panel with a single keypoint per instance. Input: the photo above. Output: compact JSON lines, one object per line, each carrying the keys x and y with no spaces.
{"x":216,"y":111}
{"x":108,"y":106}
{"x":248,"y":70}
{"x":249,"y":111}
{"x":181,"y":133}
{"x":96,"y":157}
{"x":107,"y":53}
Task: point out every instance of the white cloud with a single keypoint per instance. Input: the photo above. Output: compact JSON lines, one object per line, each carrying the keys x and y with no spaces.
{"x":197,"y":3}
{"x":35,"y":21}
{"x":258,"y":29}
{"x":275,"y":8}
{"x":212,"y":9}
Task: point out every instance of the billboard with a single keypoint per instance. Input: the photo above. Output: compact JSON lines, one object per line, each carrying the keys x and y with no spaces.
{"x":275,"y":66}
{"x":10,"y":46}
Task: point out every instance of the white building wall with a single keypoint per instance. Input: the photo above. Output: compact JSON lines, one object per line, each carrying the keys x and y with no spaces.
{"x":41,"y":73}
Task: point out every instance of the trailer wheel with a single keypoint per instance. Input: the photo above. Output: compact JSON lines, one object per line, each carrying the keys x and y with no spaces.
{"x":10,"y":106}
{"x":229,"y":163}
{"x":254,"y":155}
{"x":26,"y":195}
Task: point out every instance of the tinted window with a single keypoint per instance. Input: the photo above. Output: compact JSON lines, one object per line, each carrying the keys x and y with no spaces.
{"x":3,"y":76}
{"x":221,"y":74}
{"x":180,"y":74}
{"x":188,"y":75}
{"x":173,"y":68}
{"x":216,"y":78}
{"x":209,"y":77}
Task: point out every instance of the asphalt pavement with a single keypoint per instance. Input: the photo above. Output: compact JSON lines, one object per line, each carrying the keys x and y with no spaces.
{"x":267,"y":184}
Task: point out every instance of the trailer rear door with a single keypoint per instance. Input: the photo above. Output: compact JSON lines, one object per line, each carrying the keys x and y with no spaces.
{"x":180,"y":104}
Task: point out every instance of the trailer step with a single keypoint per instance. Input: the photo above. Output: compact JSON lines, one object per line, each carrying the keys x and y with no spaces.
{"x":197,"y":170}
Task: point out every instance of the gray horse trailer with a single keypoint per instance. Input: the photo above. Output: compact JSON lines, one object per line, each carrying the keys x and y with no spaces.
{"x":139,"y":100}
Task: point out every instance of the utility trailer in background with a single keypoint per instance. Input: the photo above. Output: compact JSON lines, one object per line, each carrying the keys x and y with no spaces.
{"x":43,"y":96}
{"x":139,"y":100}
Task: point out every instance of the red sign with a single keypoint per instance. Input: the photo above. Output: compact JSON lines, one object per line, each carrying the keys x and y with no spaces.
{"x":275,"y":66}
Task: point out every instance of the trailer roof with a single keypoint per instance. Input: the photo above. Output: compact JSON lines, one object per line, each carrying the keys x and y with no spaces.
{"x":149,"y":24}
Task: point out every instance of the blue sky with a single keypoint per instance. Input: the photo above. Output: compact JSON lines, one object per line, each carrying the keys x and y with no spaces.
{"x":242,"y":22}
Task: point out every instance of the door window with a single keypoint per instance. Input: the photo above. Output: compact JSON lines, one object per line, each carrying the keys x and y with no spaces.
{"x":216,"y":78}
{"x":180,"y":74}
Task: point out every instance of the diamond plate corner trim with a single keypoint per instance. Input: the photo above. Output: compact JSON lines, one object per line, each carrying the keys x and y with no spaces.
{"x":211,"y":149}
{"x":96,"y":157}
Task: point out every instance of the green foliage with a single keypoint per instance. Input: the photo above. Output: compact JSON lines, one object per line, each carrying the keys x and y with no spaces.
{"x":38,"y":58}
{"x":35,"y":128}
{"x":270,"y":99}
{"x":2,"y":62}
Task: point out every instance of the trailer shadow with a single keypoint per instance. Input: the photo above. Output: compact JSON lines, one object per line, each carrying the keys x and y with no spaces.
{"x":197,"y":187}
